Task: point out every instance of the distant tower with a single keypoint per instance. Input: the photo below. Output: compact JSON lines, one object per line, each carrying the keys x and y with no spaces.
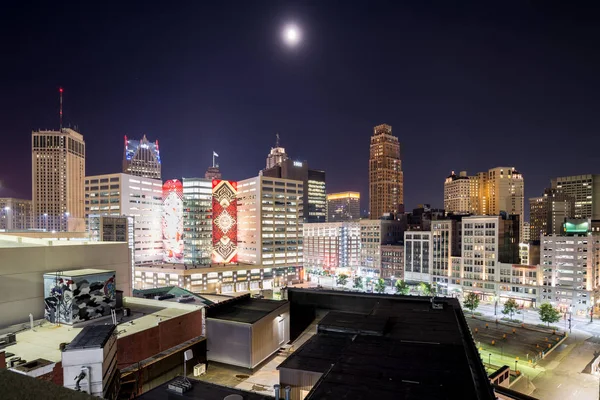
{"x":142,"y":158}
{"x":213,"y":172}
{"x":386,"y":179}
{"x":277,"y":154}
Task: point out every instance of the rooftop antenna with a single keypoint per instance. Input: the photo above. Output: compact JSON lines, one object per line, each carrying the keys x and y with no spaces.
{"x":214,"y":160}
{"x":60,"y":92}
{"x":276,"y":140}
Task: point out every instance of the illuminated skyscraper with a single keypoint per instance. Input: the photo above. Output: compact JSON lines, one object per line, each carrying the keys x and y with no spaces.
{"x":277,"y":155}
{"x":461,"y":194}
{"x":585,"y":190}
{"x":58,"y":172}
{"x":197,"y":220}
{"x":343,"y":207}
{"x":142,"y":158}
{"x":386,"y":179}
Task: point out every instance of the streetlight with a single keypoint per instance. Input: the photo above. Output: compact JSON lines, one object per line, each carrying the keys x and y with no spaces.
{"x":516,"y":369}
{"x":490,"y":359}
{"x":495,"y":304}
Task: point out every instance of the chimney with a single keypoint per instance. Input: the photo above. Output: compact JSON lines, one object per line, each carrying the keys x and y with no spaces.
{"x":276,"y":387}
{"x":287,"y":392}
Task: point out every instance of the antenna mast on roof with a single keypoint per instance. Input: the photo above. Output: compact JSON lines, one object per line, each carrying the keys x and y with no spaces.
{"x":60,"y":113}
{"x":277,"y":140}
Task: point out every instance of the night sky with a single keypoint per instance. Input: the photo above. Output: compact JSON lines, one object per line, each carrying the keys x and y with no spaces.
{"x":464,"y":87}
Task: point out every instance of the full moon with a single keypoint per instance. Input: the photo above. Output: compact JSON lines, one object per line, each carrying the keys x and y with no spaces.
{"x":291,"y":35}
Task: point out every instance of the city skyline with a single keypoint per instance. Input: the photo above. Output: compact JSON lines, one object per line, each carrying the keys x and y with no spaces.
{"x":189,"y":108}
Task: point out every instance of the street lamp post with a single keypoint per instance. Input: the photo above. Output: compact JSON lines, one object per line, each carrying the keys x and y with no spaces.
{"x":490,"y":359}
{"x":516,"y":369}
{"x":495,"y":304}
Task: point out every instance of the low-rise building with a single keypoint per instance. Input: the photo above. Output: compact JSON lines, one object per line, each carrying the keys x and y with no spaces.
{"x":373,"y":234}
{"x":332,"y":246}
{"x":392,"y":261}
{"x":16,"y":214}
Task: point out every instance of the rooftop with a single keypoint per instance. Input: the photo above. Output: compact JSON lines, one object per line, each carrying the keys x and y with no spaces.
{"x":13,"y":386}
{"x":44,"y":239}
{"x":243,"y":309}
{"x":201,"y":390}
{"x":385,"y":346}
{"x":79,"y":272}
{"x":92,"y":337}
{"x":174,"y":294}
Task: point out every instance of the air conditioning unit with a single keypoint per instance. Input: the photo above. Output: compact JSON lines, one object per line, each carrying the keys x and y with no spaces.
{"x":199,"y":369}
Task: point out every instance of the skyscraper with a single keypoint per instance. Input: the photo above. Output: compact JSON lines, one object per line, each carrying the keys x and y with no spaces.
{"x":58,"y":172}
{"x":386,"y":180}
{"x":277,"y":155}
{"x":506,"y":191}
{"x":142,"y":158}
{"x":585,"y":190}
{"x":197,"y":220}
{"x":461,"y":194}
{"x":343,"y":207}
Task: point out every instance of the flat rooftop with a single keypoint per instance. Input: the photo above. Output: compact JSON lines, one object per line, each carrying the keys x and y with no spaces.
{"x":201,"y":390}
{"x":385,"y":346}
{"x":80,"y":272}
{"x":244,"y":309}
{"x":44,"y":340}
{"x":8,"y":240}
{"x":174,"y":294}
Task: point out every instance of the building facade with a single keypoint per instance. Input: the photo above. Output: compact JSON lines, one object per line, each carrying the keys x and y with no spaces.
{"x":526,"y":232}
{"x":585,"y":191}
{"x":343,"y":206}
{"x":314,"y":197}
{"x":142,"y":158}
{"x":374,"y":234}
{"x":269,"y":221}
{"x":417,"y":256}
{"x":461,"y":194}
{"x":332,"y":246}
{"x":58,"y":172}
{"x":16,"y":214}
{"x":392,"y":261}
{"x":197,"y":221}
{"x":277,"y":155}
{"x":141,"y":198}
{"x":548,"y":213}
{"x":386,"y":179}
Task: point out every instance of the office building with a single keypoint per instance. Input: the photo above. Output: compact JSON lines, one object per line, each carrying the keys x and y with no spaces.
{"x":585,"y":191}
{"x":392,"y":261}
{"x":197,"y":221}
{"x":417,"y":256}
{"x":446,"y":244}
{"x":506,"y":190}
{"x":332,"y":246}
{"x":373,"y":235}
{"x":386,"y":179}
{"x":58,"y":172}
{"x":104,"y":228}
{"x":277,"y":155}
{"x":548,"y":213}
{"x":15,"y":214}
{"x":269,"y":221}
{"x":529,"y":253}
{"x":142,"y":158}
{"x":526,"y":232}
{"x":343,"y":206}
{"x":461,"y":194}
{"x":314,"y":197}
{"x":133,"y":196}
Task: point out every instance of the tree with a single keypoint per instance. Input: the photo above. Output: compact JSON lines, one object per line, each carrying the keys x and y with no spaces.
{"x":358,"y":283}
{"x":402,"y":287}
{"x":471,"y":301}
{"x":342,"y":280}
{"x":549,"y":314}
{"x":510,"y":308}
{"x":380,"y":286}
{"x":425,"y":288}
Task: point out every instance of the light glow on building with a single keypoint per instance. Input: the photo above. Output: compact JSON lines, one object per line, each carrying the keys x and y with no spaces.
{"x":172,"y":221}
{"x":224,"y":205}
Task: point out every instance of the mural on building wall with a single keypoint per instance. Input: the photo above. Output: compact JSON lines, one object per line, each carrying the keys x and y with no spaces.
{"x":224,"y":221}
{"x":172,"y":221}
{"x":74,"y":299}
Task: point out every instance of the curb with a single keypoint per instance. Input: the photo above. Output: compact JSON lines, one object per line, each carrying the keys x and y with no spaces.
{"x":516,"y":325}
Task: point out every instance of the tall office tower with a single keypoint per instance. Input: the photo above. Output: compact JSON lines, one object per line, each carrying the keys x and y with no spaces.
{"x":197,"y":221}
{"x":277,"y":155}
{"x":386,"y":179}
{"x":506,"y":191}
{"x":132,"y":196}
{"x":548,"y":213}
{"x":526,"y":232}
{"x":461,"y":194}
{"x":585,"y":190}
{"x":314,"y":198}
{"x":373,"y":235}
{"x":58,"y":172}
{"x":332,"y":246}
{"x":269,"y":218}
{"x":142,"y":158}
{"x":343,"y":206}
{"x":16,"y":214}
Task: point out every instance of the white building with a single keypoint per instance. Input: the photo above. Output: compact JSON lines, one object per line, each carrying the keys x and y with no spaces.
{"x":24,"y":260}
{"x":418,"y":257}
{"x":445,"y":244}
{"x":373,"y":234}
{"x":461,"y":193}
{"x":269,"y":221}
{"x":332,"y":246}
{"x":58,"y":171}
{"x":526,"y":232}
{"x":15,"y":214}
{"x":141,"y":198}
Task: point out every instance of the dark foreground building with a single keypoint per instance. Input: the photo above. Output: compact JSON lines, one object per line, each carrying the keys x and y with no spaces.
{"x":382,"y":347}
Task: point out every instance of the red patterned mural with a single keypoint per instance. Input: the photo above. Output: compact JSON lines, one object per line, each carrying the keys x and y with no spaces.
{"x":172,"y":221}
{"x":224,"y":221}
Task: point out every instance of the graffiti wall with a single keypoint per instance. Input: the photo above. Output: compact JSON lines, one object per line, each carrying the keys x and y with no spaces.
{"x":69,"y":299}
{"x":224,"y":221}
{"x":172,"y":221}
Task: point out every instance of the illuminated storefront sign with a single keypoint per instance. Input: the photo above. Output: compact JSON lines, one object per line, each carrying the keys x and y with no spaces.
{"x":224,"y":221}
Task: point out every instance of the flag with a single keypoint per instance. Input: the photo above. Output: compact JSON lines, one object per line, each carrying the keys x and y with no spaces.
{"x":215,"y":154}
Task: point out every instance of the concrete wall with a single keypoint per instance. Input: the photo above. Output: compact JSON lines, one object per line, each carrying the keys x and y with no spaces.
{"x":149,"y":342}
{"x":229,"y":342}
{"x":22,"y":269}
{"x":301,"y":382}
